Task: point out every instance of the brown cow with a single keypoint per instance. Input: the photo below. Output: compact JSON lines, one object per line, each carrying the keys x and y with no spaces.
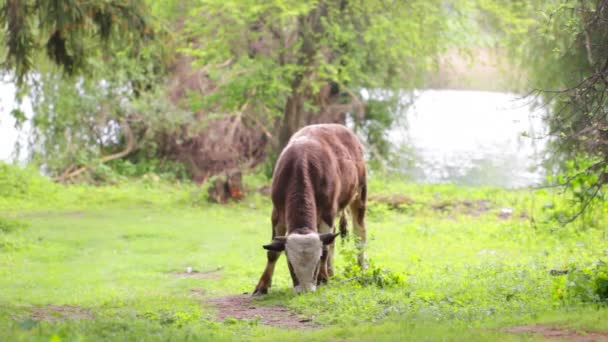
{"x":320,"y":172}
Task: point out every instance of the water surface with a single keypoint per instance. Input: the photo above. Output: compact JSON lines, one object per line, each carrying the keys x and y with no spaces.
{"x":471,"y":138}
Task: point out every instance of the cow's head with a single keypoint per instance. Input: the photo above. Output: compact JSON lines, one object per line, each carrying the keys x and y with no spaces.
{"x":304,"y":254}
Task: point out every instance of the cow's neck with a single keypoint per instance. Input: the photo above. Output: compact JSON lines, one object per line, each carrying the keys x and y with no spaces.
{"x":301,"y":210}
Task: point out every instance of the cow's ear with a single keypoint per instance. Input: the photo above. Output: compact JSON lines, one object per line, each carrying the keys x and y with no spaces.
{"x":277,"y":244}
{"x":328,"y":238}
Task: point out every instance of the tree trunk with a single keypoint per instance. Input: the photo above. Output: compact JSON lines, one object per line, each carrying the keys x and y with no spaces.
{"x":309,"y":27}
{"x":292,"y":115}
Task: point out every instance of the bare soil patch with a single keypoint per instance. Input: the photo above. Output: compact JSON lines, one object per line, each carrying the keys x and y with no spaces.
{"x":393,"y":201}
{"x":559,"y":333}
{"x":467,"y":207}
{"x":190,"y":273}
{"x":242,"y":307}
{"x":55,"y":313}
{"x":198,"y":292}
{"x":198,"y":275}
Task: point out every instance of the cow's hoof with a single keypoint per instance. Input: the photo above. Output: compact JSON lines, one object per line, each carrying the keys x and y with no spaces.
{"x":259,"y":292}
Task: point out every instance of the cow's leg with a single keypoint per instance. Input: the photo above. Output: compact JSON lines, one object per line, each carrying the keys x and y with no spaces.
{"x":343,"y":224}
{"x":266,"y":278}
{"x":323,"y":272}
{"x":357,"y":209}
{"x":265,"y":282}
{"x":330,"y":259}
{"x":331,"y":248}
{"x":326,"y":257}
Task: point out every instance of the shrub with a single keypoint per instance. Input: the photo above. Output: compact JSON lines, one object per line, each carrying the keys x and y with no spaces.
{"x":584,"y":285}
{"x":19,"y":183}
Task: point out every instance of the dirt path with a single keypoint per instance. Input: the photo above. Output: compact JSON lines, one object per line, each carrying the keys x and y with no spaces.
{"x":559,"y":333}
{"x":244,"y":308}
{"x":56,"y":313}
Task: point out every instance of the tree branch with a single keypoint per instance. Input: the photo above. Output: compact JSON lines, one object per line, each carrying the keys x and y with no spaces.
{"x":71,"y":173}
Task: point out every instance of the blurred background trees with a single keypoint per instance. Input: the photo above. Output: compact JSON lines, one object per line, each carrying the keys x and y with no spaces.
{"x":207,"y":86}
{"x":566,"y":60}
{"x":190,"y":89}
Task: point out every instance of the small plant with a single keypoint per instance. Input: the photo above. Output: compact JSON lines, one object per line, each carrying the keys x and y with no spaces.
{"x":171,"y":317}
{"x":373,"y":275}
{"x":11,"y":225}
{"x":9,"y":241}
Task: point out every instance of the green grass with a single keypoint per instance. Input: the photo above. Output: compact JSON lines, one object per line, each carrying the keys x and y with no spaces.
{"x":113,"y":252}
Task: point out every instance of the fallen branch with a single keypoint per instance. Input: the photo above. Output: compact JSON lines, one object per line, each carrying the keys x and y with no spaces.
{"x":71,"y":173}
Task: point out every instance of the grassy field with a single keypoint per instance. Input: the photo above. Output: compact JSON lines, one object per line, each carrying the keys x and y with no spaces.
{"x":447,"y":263}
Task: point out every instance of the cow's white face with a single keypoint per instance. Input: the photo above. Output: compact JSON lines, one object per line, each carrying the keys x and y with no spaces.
{"x":304,"y":253}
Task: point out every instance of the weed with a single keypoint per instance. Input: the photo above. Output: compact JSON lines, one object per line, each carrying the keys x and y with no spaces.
{"x":10,"y":240}
{"x":372,"y":275}
{"x":168,"y":317}
{"x":11,"y":225}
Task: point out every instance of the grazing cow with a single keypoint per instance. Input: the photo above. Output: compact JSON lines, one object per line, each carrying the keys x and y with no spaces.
{"x":320,"y":172}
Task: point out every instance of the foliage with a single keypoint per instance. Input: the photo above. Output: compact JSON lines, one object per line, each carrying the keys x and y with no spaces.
{"x":271,"y":66}
{"x":94,"y":121}
{"x":114,"y":104}
{"x":380,"y":115}
{"x":373,"y":275}
{"x":566,"y":60}
{"x":70,"y":31}
{"x":168,"y":170}
{"x":301,"y":60}
{"x":584,"y":190}
{"x":83,"y":123}
{"x":23,"y":184}
{"x":26,"y":188}
{"x":587,"y":284}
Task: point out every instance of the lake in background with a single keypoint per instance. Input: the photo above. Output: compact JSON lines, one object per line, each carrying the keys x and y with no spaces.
{"x":459,"y":136}
{"x":471,"y":138}
{"x":9,"y":135}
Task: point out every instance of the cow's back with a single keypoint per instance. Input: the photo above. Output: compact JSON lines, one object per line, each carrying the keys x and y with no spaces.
{"x":342,"y":142}
{"x":330,"y":156}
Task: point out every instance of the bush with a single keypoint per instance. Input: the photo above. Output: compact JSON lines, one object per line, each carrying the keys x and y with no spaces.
{"x":19,"y":183}
{"x":167,"y":169}
{"x":584,"y":285}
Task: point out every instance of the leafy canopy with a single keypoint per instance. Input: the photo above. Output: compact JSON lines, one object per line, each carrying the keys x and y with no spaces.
{"x":567,"y":62}
{"x":258,"y":51}
{"x":68,"y":31}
